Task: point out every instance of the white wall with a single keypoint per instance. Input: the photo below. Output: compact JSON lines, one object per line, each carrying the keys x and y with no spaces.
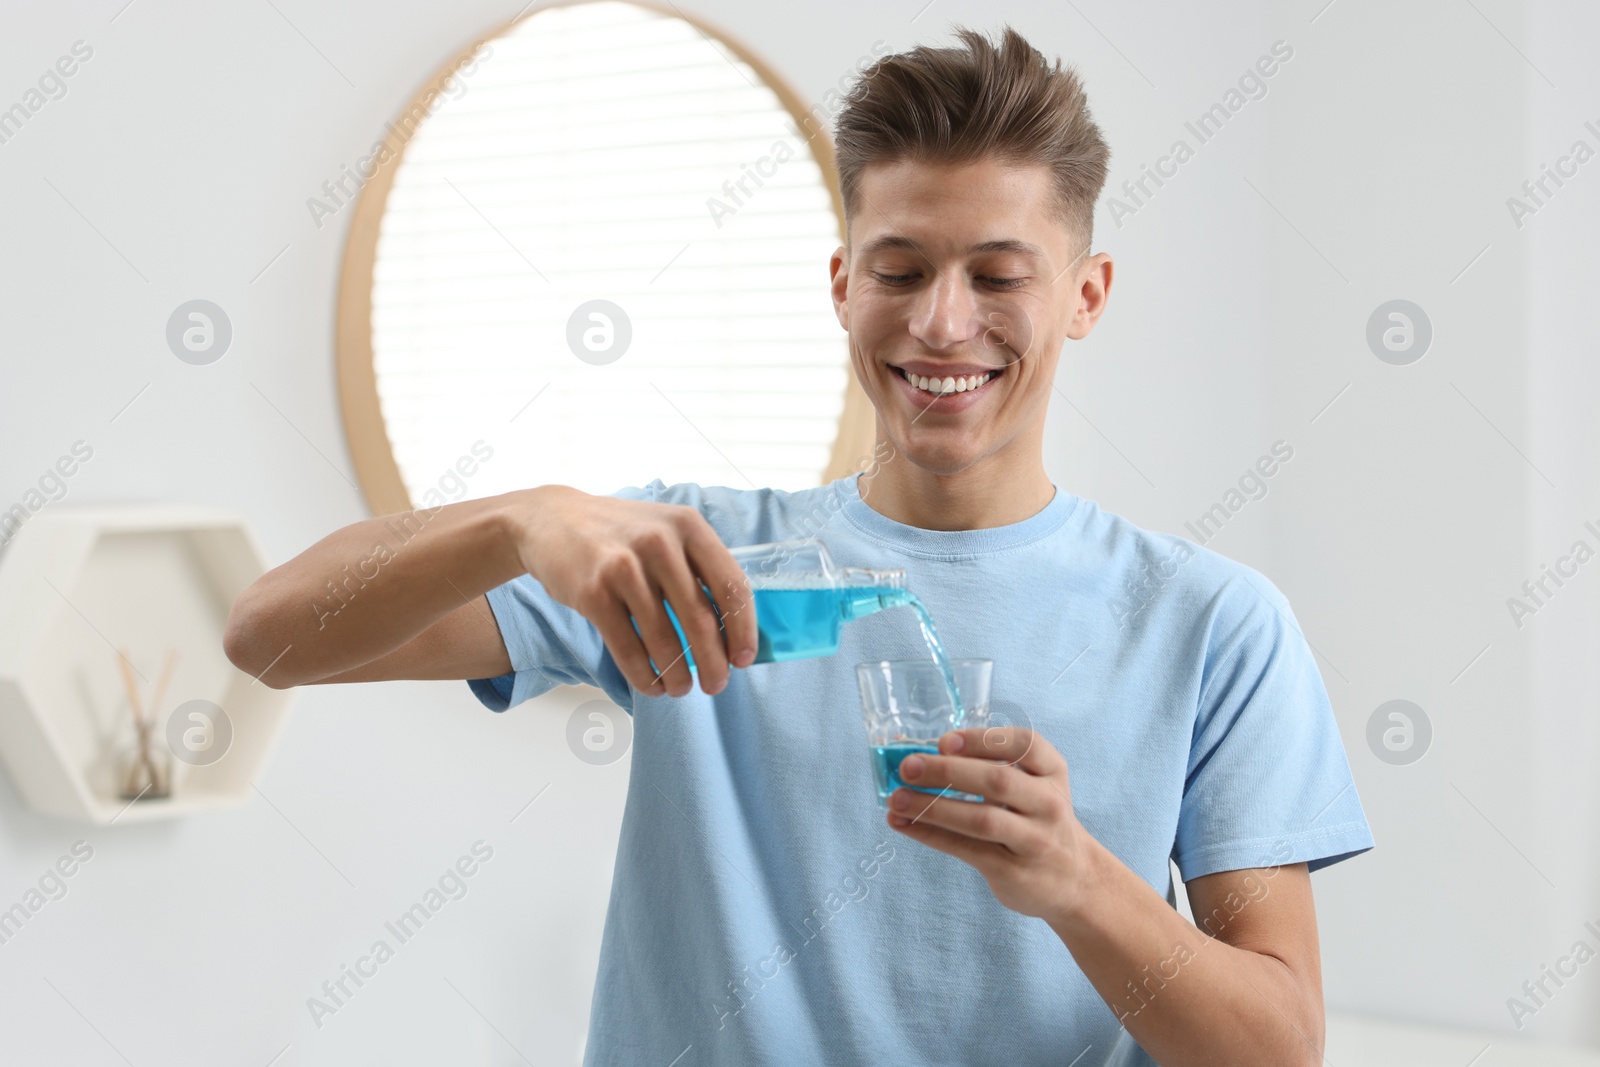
{"x":1424,"y":503}
{"x":1409,"y":522}
{"x":1392,"y":138}
{"x":1564,"y":438}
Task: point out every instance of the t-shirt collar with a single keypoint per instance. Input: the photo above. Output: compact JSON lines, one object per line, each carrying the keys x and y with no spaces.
{"x":950,"y":544}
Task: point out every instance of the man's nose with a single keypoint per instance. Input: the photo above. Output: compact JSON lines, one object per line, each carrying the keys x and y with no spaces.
{"x":943,"y":315}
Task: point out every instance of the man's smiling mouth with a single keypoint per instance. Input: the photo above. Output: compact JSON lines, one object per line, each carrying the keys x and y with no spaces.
{"x":937,"y":385}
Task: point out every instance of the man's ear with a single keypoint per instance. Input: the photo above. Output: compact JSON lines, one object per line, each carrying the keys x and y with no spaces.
{"x":1093,"y":292}
{"x":839,"y":275}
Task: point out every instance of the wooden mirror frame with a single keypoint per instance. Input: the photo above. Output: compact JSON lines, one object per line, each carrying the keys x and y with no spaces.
{"x":364,"y":427}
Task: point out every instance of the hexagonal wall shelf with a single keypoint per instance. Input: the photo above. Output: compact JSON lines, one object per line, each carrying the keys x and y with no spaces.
{"x":77,"y":585}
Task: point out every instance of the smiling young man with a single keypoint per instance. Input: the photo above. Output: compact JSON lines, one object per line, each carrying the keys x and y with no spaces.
{"x":1161,"y":704}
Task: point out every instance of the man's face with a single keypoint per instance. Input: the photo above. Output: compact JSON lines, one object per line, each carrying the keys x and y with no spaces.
{"x":960,"y":287}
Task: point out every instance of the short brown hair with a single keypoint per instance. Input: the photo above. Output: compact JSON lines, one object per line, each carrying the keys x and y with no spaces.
{"x":959,"y":105}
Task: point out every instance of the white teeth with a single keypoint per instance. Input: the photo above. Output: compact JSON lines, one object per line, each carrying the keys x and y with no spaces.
{"x":944,"y":386}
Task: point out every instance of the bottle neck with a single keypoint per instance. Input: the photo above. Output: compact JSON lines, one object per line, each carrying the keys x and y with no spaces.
{"x":891,"y":578}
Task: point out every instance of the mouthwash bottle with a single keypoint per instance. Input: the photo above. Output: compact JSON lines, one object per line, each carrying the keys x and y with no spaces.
{"x":802,"y":599}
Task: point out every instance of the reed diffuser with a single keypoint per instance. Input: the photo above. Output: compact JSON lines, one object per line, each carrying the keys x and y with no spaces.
{"x":149,"y":766}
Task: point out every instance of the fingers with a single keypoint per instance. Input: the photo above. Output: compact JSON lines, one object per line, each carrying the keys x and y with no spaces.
{"x":965,"y":818}
{"x":616,"y":628}
{"x":729,"y":587}
{"x":644,"y":562}
{"x":661,"y":641}
{"x":689,"y":603}
{"x":624,"y":576}
{"x":1015,"y":745}
{"x":960,"y":845}
{"x":997,"y":783}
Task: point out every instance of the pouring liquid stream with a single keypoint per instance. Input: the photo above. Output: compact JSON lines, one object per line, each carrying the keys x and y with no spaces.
{"x":876,"y":598}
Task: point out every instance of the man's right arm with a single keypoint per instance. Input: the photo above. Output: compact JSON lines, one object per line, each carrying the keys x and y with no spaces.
{"x":402,"y":596}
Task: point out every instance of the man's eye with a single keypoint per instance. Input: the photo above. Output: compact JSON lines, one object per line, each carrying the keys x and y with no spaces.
{"x":893,"y":279}
{"x":1004,"y":283}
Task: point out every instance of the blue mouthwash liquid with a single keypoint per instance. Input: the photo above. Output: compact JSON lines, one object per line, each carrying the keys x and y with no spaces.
{"x":801,"y":622}
{"x":886,"y":769}
{"x":805,"y":622}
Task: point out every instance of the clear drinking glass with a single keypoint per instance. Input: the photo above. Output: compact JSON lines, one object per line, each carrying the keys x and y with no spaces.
{"x":906,"y":706}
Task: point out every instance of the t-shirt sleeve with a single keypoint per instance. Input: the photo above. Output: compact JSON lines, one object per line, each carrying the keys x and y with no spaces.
{"x":549,"y":643}
{"x":1268,"y":782}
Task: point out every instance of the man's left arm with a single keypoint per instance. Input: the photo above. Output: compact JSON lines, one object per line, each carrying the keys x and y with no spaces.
{"x":1244,"y":987}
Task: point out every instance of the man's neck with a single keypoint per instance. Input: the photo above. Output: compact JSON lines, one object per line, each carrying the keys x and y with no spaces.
{"x":994,"y":492}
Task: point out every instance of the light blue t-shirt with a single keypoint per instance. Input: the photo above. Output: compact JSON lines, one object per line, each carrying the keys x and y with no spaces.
{"x":763,"y":912}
